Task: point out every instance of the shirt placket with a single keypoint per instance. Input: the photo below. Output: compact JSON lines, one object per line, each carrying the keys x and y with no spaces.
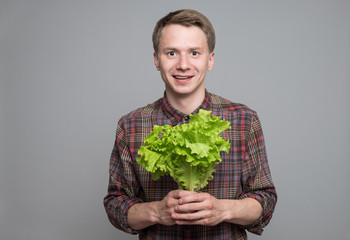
{"x":186,"y":119}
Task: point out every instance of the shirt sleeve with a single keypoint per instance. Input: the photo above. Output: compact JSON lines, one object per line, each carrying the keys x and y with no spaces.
{"x":123,"y":186}
{"x":257,"y":181}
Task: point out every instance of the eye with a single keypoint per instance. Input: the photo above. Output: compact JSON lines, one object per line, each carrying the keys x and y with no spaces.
{"x":194,"y":53}
{"x":171,"y":54}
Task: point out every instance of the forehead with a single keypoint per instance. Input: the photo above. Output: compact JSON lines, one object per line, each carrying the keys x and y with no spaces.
{"x":181,"y":36}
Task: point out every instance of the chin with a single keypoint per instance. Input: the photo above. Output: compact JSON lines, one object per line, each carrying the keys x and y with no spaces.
{"x":185,"y":91}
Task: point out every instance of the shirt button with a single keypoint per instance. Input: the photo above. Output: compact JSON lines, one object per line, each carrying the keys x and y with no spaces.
{"x":187,"y":118}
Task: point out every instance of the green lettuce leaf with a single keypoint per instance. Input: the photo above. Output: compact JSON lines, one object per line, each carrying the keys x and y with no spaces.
{"x":187,"y":152}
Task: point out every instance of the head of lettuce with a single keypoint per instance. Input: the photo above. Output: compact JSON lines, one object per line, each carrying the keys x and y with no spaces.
{"x":187,"y":152}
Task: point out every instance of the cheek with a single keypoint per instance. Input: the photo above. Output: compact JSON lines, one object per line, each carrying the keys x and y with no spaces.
{"x":203,"y":68}
{"x":201,"y":65}
{"x":167,"y":67}
{"x":164,"y":73}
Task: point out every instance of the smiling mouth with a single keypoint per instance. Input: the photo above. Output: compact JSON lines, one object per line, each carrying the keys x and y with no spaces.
{"x":182,"y":77}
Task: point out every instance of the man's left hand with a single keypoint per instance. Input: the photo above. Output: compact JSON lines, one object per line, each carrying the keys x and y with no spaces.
{"x":198,"y":208}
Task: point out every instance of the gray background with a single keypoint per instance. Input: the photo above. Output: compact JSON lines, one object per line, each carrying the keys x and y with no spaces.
{"x":70,"y":69}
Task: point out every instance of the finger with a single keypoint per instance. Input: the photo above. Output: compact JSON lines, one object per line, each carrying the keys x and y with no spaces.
{"x":195,"y":197}
{"x":204,"y":222}
{"x":174,"y":194}
{"x":180,"y":193}
{"x":191,"y":217}
{"x":184,"y":222}
{"x":190,"y":207}
{"x":171,"y":202}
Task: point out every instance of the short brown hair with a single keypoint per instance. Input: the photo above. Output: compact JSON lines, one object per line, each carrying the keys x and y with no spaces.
{"x":185,"y":17}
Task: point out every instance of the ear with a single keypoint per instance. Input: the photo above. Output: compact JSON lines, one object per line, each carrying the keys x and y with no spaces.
{"x":211,"y":61}
{"x":156,"y":60}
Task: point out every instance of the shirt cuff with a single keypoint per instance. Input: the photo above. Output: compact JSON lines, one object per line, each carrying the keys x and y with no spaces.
{"x":255,"y":227}
{"x":124,"y":213}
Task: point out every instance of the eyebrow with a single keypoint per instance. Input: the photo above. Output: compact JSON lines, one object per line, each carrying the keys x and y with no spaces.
{"x":197,"y":49}
{"x":175,"y":49}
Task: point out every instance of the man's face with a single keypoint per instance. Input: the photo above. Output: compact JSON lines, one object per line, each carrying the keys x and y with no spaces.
{"x":183,"y":59}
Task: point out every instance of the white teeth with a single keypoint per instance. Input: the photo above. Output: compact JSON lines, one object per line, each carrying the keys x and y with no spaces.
{"x":178,"y":77}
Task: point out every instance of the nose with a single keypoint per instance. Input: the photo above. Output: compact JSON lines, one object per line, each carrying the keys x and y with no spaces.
{"x":183,"y":63}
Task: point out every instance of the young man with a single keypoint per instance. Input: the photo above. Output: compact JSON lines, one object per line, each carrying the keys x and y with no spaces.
{"x":241,"y":195}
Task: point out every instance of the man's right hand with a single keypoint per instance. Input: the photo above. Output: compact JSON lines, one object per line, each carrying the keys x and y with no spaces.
{"x":142,"y":215}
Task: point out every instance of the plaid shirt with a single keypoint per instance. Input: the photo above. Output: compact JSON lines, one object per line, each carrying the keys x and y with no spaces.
{"x":243,"y":172}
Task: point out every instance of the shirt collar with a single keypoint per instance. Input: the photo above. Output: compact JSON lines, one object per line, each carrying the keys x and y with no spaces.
{"x":175,"y":116}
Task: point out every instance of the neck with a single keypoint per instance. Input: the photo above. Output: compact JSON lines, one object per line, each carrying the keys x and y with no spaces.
{"x":186,"y":103}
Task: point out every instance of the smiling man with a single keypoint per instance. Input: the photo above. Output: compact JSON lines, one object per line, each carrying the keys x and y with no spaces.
{"x":241,"y":195}
{"x":183,"y":59}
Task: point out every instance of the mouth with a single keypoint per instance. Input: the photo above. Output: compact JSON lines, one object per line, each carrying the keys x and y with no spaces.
{"x":182,"y":78}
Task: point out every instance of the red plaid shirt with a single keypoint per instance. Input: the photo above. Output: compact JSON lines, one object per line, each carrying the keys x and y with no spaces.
{"x":243,"y":172}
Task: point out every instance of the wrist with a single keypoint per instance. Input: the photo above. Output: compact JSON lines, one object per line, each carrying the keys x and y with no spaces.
{"x":227,"y":213}
{"x":142,"y":215}
{"x":154,"y":215}
{"x":244,"y":211}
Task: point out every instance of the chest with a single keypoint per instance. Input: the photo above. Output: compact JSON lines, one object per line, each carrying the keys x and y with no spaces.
{"x":226,"y":182}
